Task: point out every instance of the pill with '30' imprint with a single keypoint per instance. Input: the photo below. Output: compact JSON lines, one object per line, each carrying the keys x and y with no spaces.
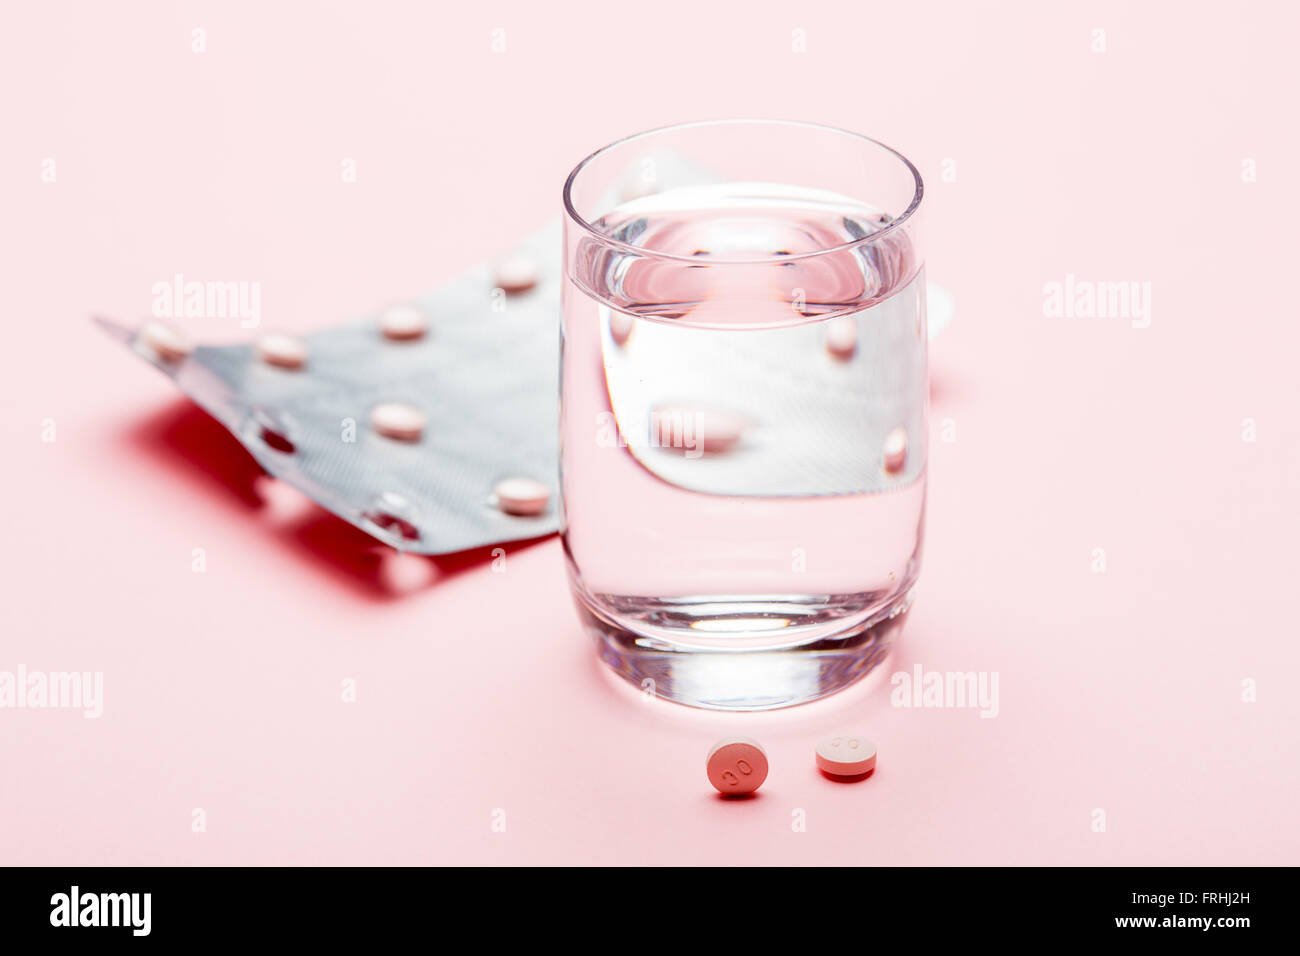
{"x":737,"y":765}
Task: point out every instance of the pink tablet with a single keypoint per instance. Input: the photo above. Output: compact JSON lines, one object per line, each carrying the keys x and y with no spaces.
{"x":737,"y":765}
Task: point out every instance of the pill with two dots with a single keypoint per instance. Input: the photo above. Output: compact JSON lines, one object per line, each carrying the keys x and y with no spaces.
{"x":736,"y":765}
{"x":846,"y":755}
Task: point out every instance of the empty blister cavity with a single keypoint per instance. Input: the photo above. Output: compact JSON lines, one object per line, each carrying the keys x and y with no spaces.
{"x":394,"y":518}
{"x":271,"y":428}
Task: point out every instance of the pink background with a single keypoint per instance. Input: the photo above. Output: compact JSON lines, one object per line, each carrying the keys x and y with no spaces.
{"x":1120,"y":691}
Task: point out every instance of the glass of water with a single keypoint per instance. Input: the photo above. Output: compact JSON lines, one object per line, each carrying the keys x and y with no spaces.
{"x":743,"y":407}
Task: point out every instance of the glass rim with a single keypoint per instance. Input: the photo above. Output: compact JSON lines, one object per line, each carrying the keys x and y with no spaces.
{"x":642,"y":252}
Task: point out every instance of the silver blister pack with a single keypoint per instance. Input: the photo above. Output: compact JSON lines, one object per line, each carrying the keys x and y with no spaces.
{"x":485,"y":375}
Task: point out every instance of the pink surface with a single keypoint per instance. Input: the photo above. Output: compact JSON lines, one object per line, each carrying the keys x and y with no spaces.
{"x":483,"y":730}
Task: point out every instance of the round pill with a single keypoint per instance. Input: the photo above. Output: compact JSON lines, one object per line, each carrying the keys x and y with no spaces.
{"x":696,"y":429}
{"x":895,"y":450}
{"x":620,"y":326}
{"x":403,"y":322}
{"x":396,"y":420}
{"x":844,"y":755}
{"x":737,"y":765}
{"x":168,"y":343}
{"x":516,"y":274}
{"x":522,"y":496}
{"x":276,"y":348}
{"x":842,"y":336}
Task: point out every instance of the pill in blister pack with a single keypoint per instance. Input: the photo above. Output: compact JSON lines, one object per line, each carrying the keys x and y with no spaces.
{"x":431,"y":424}
{"x":403,"y":322}
{"x":282,"y":350}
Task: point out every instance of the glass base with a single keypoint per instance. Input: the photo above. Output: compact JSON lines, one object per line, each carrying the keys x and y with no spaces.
{"x":689,"y":650}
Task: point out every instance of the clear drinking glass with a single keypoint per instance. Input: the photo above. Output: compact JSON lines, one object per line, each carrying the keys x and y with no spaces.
{"x":743,"y":407}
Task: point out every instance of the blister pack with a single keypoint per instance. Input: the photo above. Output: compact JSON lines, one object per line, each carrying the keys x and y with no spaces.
{"x":405,"y":435}
{"x":409,"y":423}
